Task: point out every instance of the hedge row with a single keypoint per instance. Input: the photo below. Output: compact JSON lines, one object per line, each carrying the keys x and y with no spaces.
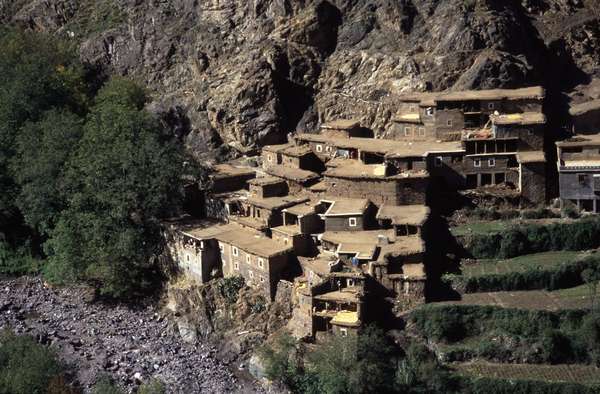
{"x":517,"y":241}
{"x":501,"y":386}
{"x":561,"y":277}
{"x":571,"y":336}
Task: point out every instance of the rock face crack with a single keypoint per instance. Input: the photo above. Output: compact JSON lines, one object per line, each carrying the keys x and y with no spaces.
{"x":130,"y":343}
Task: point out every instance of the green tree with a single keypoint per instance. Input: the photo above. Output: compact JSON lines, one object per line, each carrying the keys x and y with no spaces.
{"x":43,"y":148}
{"x":591,"y":277}
{"x":354,"y":364}
{"x":121,"y":179}
{"x":26,"y":367}
{"x":37,"y":73}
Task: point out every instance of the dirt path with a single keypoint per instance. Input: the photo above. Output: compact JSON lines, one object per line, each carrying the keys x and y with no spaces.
{"x":131,"y":344}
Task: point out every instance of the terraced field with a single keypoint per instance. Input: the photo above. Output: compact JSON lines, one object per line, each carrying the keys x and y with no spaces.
{"x":573,"y":298}
{"x":573,"y":373}
{"x":522,"y":263}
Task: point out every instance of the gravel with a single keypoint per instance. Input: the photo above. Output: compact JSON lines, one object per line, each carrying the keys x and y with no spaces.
{"x":130,"y":343}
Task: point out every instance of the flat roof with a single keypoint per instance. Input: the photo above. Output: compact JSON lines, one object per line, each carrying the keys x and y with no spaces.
{"x":320,"y":186}
{"x":403,"y":246}
{"x":580,"y":140}
{"x":321,"y":265}
{"x":302,"y":209}
{"x":391,"y":148}
{"x":265,"y":180}
{"x":525,"y":118}
{"x":346,"y":318}
{"x":289,"y":229}
{"x":350,"y":168}
{"x":368,"y":236}
{"x":404,"y":214}
{"x":253,"y":242}
{"x":414,"y":271}
{"x":276,"y":202}
{"x":362,"y":251}
{"x":278,"y":148}
{"x":341,"y":124}
{"x":290,"y":173}
{"x":227,"y":170}
{"x":531,"y":157}
{"x":248,"y":221}
{"x":431,"y":98}
{"x":347,"y":206}
{"x":582,"y":108}
{"x":340,"y":296}
{"x":581,"y":163}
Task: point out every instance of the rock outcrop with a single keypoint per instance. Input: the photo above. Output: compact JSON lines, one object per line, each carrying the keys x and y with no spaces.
{"x":245,"y":73}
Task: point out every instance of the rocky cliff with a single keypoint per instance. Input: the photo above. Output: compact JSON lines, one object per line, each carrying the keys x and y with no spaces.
{"x":229,"y":75}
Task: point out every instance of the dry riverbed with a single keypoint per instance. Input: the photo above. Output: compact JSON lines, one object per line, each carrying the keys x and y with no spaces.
{"x":130,"y":343}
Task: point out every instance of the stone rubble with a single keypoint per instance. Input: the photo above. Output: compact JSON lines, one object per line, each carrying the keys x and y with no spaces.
{"x":129,"y":343}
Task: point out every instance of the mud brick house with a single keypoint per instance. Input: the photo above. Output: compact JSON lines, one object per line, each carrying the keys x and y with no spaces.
{"x":404,"y":219}
{"x":585,"y":117}
{"x":229,"y":178}
{"x":268,"y":186}
{"x":264,"y":213}
{"x":343,"y":128}
{"x":579,"y":171}
{"x":297,"y":179}
{"x":316,"y":269}
{"x":443,"y":116}
{"x":347,"y":214}
{"x":290,"y":155}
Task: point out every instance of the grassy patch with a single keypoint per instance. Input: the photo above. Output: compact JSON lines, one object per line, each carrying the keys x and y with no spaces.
{"x":572,"y":373}
{"x":481,"y":227}
{"x":94,"y":16}
{"x":520,"y":264}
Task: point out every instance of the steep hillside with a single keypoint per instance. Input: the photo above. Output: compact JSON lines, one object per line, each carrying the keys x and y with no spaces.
{"x":248,"y":72}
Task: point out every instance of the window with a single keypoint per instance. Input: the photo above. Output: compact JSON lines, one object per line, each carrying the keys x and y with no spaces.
{"x":261,"y":263}
{"x":582,"y":178}
{"x":350,"y":282}
{"x":407,"y":131}
{"x":352,"y":222}
{"x":285,"y":241}
{"x":429,"y":111}
{"x":236,"y":266}
{"x":438,"y":161}
{"x":251,"y":274}
{"x":421,"y":131}
{"x":490,"y":105}
{"x":477,"y":163}
{"x":319,"y":148}
{"x":188,"y":257}
{"x":201,"y":244}
{"x":344,"y":332}
{"x":328,"y":149}
{"x":269,"y":158}
{"x":262,"y":280}
{"x":248,"y":259}
{"x":491,"y":162}
{"x":234,"y":250}
{"x":449,"y":122}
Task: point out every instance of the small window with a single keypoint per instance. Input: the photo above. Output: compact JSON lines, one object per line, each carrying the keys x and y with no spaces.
{"x":449,"y":122}
{"x":429,"y":111}
{"x":344,"y":332}
{"x":248,"y":259}
{"x":407,"y":131}
{"x":439,"y":161}
{"x":261,"y":263}
{"x":234,"y":250}
{"x":421,"y":131}
{"x":236,"y":266}
{"x":269,"y":158}
{"x":328,"y":149}
{"x":319,"y":148}
{"x":188,"y":257}
{"x":582,"y":178}
{"x":490,"y":105}
{"x":285,"y":240}
{"x":221,"y":248}
{"x":352,"y":222}
{"x":201,"y":244}
{"x":491,"y":162}
{"x":251,"y":274}
{"x":477,"y":163}
{"x":262,"y":280}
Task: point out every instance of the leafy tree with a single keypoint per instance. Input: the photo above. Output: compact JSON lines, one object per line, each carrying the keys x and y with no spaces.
{"x":26,"y":367}
{"x":350,"y":364}
{"x":122,"y":177}
{"x":43,"y":148}
{"x":37,"y":73}
{"x":591,"y":277}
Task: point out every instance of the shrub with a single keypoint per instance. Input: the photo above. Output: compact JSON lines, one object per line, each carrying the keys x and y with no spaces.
{"x":17,"y":261}
{"x":27,"y":367}
{"x":153,"y":386}
{"x":259,"y":306}
{"x":539,"y":213}
{"x":105,"y":385}
{"x":230,"y":288}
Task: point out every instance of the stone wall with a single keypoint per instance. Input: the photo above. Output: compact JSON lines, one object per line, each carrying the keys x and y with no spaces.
{"x":391,"y":191}
{"x":342,"y":223}
{"x":533,"y":182}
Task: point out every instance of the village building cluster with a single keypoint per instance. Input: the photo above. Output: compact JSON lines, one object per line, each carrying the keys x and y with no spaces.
{"x":342,"y":216}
